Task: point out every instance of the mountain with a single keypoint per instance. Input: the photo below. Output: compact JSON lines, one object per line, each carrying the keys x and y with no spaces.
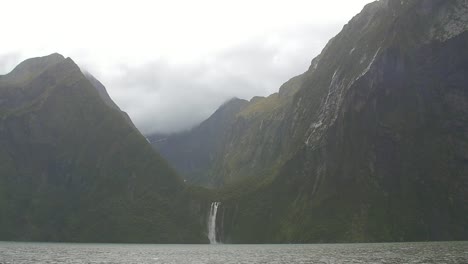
{"x":74,"y":168}
{"x":241,"y":139}
{"x":371,"y":145}
{"x":192,"y":152}
{"x":105,"y":96}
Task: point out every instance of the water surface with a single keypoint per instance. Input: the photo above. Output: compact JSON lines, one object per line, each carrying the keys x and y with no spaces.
{"x":433,"y":252}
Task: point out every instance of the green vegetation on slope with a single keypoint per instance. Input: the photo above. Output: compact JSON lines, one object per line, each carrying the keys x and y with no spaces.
{"x":73,"y":169}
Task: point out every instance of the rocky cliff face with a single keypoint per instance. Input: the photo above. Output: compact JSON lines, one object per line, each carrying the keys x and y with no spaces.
{"x":370,"y":146}
{"x":385,"y":152}
{"x":72,"y":168}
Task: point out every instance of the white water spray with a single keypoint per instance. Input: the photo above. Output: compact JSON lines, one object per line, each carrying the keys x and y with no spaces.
{"x":212,"y":222}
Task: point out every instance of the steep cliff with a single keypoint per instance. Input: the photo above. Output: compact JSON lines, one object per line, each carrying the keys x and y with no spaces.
{"x":371,"y":145}
{"x":383,"y":117}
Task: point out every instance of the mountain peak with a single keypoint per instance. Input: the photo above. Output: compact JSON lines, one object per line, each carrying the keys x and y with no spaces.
{"x":39,"y":62}
{"x":234,"y":100}
{"x":32,"y":67}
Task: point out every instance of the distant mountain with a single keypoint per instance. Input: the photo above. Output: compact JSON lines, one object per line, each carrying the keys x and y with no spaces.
{"x":193,"y":152}
{"x":370,"y":144}
{"x":241,"y":139}
{"x":74,"y":168}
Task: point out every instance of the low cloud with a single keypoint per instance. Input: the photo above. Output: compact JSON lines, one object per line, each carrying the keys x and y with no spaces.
{"x":8,"y":61}
{"x":170,"y":64}
{"x":163,"y":97}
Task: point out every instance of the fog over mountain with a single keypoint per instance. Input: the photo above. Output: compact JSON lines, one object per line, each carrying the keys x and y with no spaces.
{"x":171,"y":72}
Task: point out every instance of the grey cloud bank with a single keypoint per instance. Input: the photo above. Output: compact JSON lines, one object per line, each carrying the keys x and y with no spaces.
{"x":163,"y":97}
{"x":164,"y":92}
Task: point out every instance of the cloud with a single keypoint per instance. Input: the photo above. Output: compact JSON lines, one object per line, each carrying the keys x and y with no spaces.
{"x":164,"y":97}
{"x":170,"y":64}
{"x":8,"y":61}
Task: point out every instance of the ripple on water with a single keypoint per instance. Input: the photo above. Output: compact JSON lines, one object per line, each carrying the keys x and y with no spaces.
{"x":434,"y":252}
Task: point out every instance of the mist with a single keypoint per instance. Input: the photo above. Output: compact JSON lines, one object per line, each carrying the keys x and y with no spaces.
{"x":170,"y":72}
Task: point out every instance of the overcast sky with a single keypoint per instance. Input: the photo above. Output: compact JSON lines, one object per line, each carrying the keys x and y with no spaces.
{"x":170,"y":64}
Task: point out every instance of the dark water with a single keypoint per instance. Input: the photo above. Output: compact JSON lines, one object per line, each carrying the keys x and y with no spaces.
{"x":437,"y":252}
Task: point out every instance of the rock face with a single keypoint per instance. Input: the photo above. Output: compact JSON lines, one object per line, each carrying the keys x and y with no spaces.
{"x":72,"y":168}
{"x":371,"y":145}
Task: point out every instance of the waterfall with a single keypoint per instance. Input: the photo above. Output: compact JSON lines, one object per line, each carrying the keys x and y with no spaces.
{"x":212,"y":222}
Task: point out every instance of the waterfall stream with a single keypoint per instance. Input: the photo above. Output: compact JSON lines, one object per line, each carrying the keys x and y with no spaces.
{"x":212,"y":222}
